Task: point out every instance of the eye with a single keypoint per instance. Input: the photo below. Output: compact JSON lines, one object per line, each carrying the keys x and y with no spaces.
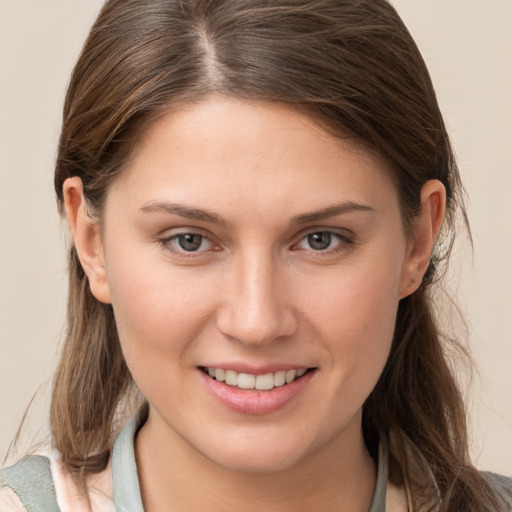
{"x":190,"y":242}
{"x":319,"y":241}
{"x":187,"y":243}
{"x":322,"y":241}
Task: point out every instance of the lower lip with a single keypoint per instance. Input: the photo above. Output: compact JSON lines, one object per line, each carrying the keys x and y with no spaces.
{"x":254,"y":401}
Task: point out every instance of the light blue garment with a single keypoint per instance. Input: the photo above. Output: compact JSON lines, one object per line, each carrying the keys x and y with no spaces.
{"x":125,"y":481}
{"x":32,"y":481}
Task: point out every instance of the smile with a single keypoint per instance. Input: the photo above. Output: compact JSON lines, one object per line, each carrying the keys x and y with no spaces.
{"x":248,"y":381}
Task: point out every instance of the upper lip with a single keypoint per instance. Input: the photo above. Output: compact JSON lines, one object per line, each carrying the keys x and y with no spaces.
{"x":257,"y":369}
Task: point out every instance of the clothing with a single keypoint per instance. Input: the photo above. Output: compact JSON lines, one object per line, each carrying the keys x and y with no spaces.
{"x":41,"y":484}
{"x":115,"y":489}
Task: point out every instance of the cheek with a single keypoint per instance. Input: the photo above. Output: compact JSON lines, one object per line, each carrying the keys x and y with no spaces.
{"x":356,"y":321}
{"x":158,"y":312}
{"x":361,"y":297}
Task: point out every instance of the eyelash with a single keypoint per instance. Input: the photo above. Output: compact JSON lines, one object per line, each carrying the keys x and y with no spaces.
{"x":167,"y":243}
{"x":344,"y":243}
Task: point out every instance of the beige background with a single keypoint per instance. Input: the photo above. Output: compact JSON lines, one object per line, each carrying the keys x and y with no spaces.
{"x":468,"y":47}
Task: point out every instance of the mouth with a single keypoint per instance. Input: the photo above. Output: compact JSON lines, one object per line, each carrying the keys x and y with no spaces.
{"x":248,"y":381}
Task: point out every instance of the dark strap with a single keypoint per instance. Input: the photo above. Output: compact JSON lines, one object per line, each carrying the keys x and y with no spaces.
{"x":31,"y":479}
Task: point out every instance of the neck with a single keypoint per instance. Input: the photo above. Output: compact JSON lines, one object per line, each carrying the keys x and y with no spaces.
{"x":175,"y":477}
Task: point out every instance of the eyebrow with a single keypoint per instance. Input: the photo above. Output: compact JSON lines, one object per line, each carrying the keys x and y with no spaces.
{"x":331,"y":211}
{"x":208,"y":216}
{"x":183,"y":211}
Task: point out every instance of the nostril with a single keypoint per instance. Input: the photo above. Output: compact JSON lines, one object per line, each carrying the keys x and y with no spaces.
{"x":256,"y":329}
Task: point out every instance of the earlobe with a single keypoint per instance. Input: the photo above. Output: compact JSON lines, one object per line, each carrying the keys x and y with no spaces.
{"x":425,"y":229}
{"x":86,"y":237}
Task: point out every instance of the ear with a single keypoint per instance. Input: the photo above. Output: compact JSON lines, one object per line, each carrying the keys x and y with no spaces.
{"x":425,"y":230}
{"x":87,"y":238}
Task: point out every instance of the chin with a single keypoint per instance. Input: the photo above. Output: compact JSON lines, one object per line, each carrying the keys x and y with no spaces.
{"x":242,"y":461}
{"x":260,"y":452}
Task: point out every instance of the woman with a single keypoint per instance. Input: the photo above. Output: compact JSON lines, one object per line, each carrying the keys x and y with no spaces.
{"x":256,"y":192}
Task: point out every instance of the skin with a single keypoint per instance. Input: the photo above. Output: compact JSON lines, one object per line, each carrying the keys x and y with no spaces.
{"x":255,"y":293}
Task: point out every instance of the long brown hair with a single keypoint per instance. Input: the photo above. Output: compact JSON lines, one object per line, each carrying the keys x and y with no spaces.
{"x":350,"y":64}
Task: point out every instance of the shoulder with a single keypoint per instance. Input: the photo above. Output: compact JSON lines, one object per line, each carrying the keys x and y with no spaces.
{"x":502,"y":485}
{"x":42,"y":483}
{"x":39,"y":483}
{"x":28,"y":483}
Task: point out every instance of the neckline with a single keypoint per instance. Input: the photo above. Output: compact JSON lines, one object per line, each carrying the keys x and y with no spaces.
{"x":125,"y":480}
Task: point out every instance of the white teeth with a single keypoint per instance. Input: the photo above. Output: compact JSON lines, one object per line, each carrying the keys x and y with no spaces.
{"x":290,"y":376}
{"x":231,"y":378}
{"x":220,"y":375}
{"x":265,"y":382}
{"x":280,"y":378}
{"x":246,"y":381}
{"x":259,"y":382}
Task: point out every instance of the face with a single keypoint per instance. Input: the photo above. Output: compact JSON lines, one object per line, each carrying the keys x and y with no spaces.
{"x":254,"y":264}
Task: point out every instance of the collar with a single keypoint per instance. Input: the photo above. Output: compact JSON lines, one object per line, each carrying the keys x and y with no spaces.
{"x":125,"y":481}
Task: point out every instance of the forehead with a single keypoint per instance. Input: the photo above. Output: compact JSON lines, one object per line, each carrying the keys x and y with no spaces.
{"x":224,"y":151}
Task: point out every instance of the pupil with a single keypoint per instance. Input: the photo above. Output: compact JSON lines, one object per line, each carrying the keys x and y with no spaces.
{"x":190,"y":242}
{"x":320,"y":240}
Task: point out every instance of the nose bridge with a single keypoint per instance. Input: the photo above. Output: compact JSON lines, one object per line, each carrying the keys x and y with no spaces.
{"x":256,"y":310}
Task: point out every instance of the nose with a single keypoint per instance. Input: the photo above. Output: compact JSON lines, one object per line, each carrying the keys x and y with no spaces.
{"x":255,"y":309}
